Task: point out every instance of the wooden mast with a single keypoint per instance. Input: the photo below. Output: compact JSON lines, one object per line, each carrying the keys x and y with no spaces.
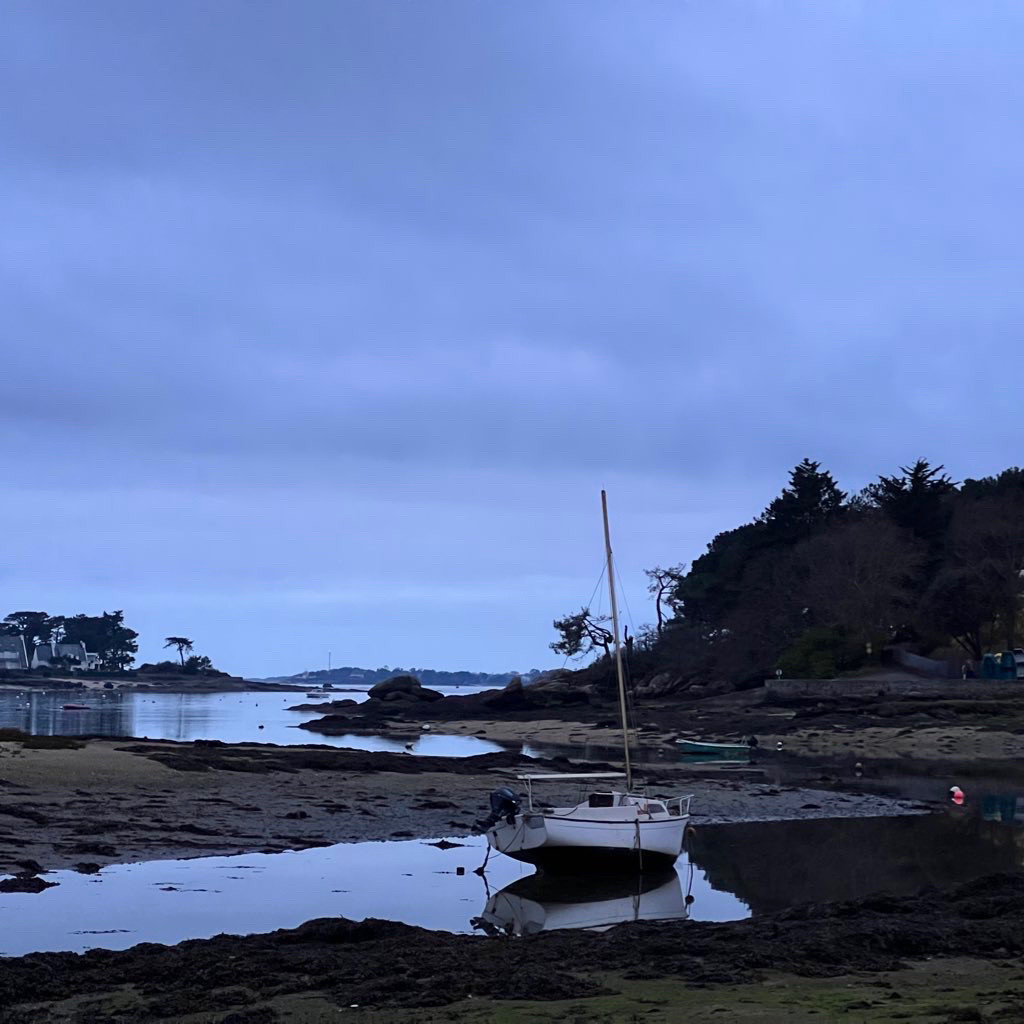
{"x":618,"y":646}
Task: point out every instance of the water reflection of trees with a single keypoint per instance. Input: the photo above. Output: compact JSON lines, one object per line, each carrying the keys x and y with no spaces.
{"x":774,"y":865}
{"x":42,"y":713}
{"x":117,"y":713}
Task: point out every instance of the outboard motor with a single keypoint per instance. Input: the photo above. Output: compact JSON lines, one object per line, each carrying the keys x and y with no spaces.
{"x":504,"y":804}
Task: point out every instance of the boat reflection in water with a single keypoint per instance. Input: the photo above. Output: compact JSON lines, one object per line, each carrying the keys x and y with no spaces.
{"x":547,"y":902}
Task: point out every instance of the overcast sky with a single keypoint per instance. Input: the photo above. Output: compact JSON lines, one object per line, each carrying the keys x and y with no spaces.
{"x":324,"y":324}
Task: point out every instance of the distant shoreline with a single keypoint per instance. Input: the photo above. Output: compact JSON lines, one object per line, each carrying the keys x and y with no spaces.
{"x":150,"y":684}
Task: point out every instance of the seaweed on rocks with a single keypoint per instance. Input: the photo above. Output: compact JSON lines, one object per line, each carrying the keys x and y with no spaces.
{"x":385,"y":964}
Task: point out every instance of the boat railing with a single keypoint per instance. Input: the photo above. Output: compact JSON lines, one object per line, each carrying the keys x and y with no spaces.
{"x":679,"y":806}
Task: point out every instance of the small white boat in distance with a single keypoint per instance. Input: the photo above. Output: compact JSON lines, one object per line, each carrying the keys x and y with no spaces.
{"x":609,"y":829}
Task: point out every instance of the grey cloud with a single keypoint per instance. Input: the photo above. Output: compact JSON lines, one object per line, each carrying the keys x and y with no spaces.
{"x":330,"y":294}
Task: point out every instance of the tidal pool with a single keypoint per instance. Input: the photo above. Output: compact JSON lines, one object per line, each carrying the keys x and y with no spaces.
{"x":171,"y":900}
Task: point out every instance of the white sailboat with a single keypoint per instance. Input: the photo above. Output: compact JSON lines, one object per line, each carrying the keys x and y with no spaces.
{"x":612,"y":826}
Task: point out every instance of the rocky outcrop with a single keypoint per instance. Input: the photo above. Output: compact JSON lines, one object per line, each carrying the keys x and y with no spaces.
{"x":660,"y":685}
{"x":555,"y":689}
{"x":665,"y":684}
{"x":25,"y":882}
{"x":405,"y":687}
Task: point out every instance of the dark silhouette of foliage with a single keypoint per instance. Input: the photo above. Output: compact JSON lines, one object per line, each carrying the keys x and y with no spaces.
{"x":822,"y":652}
{"x":181,"y":644}
{"x":819,"y":580}
{"x":915,"y":501}
{"x":706,"y":594}
{"x":105,"y":635}
{"x":662,"y":585}
{"x":811,"y":500}
{"x":36,"y":627}
{"x":582,"y":633}
{"x":1010,"y":482}
{"x":713,"y":587}
{"x":975,"y":596}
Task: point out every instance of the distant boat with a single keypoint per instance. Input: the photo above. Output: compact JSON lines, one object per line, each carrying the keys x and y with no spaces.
{"x":76,"y":707}
{"x":726,"y":750}
{"x":321,"y":694}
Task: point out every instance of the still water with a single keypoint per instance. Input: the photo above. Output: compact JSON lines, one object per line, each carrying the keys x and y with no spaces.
{"x":248,"y":717}
{"x":171,"y":900}
{"x":730,"y":871}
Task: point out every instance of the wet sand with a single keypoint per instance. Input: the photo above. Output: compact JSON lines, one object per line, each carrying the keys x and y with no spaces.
{"x":112,"y":801}
{"x":930,"y":957}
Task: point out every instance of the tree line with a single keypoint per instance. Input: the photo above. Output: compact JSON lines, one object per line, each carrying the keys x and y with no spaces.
{"x":105,"y":635}
{"x":822,"y":580}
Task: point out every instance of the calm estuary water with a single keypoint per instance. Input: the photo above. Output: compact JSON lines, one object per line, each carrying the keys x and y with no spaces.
{"x":231,"y":717}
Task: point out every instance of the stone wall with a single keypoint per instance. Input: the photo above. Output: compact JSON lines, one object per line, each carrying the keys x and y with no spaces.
{"x":925,"y":666}
{"x":950,"y":688}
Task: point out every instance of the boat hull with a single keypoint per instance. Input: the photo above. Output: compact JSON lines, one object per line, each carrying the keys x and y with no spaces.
{"x":560,"y":844}
{"x":594,"y":859}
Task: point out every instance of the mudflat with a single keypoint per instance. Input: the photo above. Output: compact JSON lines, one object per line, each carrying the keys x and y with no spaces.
{"x":114,"y":800}
{"x":110,"y":801}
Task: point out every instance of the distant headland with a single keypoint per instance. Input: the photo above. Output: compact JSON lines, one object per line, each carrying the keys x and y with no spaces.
{"x":348,"y":675}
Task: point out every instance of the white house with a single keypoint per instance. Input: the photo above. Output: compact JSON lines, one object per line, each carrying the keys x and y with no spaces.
{"x":12,"y":652}
{"x":80,"y":658}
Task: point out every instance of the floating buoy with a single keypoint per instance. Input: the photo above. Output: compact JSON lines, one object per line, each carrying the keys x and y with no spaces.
{"x":956,"y":794}
{"x":858,"y":769}
{"x":425,"y":728}
{"x":261,"y":726}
